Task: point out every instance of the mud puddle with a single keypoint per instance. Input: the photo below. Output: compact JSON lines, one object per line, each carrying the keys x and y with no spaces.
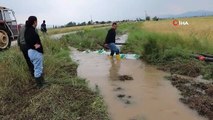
{"x":146,"y":96}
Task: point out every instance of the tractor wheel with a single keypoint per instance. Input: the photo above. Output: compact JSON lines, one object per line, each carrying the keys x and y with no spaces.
{"x":5,"y":41}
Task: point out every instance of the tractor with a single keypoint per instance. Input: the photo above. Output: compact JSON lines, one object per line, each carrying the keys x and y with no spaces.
{"x":9,"y":29}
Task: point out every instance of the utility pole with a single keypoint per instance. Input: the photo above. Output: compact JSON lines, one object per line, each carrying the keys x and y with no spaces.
{"x":145,"y":14}
{"x":91,"y":19}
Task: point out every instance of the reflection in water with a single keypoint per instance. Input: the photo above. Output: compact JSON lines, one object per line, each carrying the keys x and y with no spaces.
{"x":114,"y":69}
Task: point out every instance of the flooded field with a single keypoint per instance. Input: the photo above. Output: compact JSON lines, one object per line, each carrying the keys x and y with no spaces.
{"x":147,"y":96}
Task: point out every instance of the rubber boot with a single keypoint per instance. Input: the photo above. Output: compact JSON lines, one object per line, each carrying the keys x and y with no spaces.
{"x":42,"y":80}
{"x":44,"y":83}
{"x":39,"y":82}
{"x":118,"y":57}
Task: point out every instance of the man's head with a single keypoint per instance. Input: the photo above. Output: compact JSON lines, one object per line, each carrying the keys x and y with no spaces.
{"x":114,"y":25}
{"x":44,"y":21}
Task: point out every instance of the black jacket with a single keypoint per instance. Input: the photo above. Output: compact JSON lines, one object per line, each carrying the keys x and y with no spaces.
{"x":110,"y":38}
{"x":32,"y":38}
{"x":43,"y":27}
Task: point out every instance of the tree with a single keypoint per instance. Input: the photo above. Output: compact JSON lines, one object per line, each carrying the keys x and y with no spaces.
{"x":89,"y":23}
{"x":155,"y":18}
{"x":109,"y":22}
{"x":96,"y":22}
{"x":103,"y":22}
{"x":148,"y":18}
{"x":71,"y":24}
{"x":82,"y":24}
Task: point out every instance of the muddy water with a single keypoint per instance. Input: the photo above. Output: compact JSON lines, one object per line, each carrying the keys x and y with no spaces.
{"x":148,"y":97}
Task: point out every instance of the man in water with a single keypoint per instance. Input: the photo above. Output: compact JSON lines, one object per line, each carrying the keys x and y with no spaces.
{"x":110,"y":41}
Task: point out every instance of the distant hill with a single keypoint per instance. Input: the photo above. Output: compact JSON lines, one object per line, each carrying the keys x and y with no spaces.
{"x":190,"y":14}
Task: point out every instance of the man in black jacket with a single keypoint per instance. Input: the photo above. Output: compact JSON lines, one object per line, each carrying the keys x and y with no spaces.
{"x":43,"y":27}
{"x":110,"y":41}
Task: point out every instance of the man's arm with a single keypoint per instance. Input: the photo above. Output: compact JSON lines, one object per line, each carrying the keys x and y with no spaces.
{"x":107,"y":38}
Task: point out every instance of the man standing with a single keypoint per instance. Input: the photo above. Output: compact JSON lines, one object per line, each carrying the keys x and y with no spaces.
{"x":24,"y":48}
{"x":35,"y":51}
{"x":110,"y":41}
{"x":43,"y":27}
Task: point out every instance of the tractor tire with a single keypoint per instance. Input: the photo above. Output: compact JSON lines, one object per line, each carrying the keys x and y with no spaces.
{"x":5,"y":40}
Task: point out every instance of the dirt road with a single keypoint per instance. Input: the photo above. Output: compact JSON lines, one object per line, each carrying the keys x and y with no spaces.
{"x":58,"y":36}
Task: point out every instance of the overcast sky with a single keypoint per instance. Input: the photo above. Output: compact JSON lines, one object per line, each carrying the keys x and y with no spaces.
{"x":60,"y":12}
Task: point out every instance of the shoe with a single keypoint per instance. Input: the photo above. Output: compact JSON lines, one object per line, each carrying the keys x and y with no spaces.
{"x":118,"y":57}
{"x":39,"y":82}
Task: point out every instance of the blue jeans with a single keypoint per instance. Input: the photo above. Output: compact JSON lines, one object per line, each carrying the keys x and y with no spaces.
{"x":37,"y":59}
{"x":113,"y":49}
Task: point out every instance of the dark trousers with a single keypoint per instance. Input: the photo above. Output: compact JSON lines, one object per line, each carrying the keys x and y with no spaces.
{"x":24,"y":50}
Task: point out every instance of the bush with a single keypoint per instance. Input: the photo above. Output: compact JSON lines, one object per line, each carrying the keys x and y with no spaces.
{"x":88,"y":39}
{"x":151,"y":51}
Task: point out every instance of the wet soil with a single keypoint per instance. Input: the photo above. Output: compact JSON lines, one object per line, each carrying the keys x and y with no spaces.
{"x":125,"y":77}
{"x":197,"y":95}
{"x":188,"y":67}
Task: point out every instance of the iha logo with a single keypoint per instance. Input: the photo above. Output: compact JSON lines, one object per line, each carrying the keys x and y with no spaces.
{"x":178,"y":22}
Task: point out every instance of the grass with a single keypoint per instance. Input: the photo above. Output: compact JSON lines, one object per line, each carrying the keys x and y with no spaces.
{"x":170,"y":50}
{"x":67,"y":97}
{"x":76,"y":28}
{"x":199,"y":27}
{"x":88,"y":39}
{"x":92,"y":39}
{"x":160,"y":43}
